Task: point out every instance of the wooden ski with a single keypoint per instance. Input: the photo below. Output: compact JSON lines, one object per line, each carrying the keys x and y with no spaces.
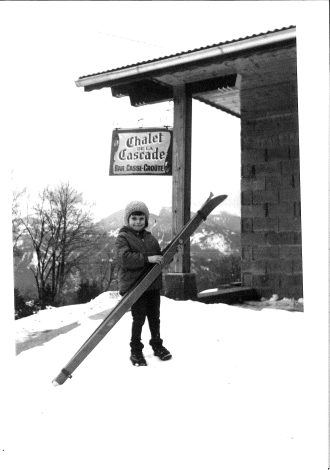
{"x":138,"y":289}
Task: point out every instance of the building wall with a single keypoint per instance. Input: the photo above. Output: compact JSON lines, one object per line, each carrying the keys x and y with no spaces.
{"x":270,"y":191}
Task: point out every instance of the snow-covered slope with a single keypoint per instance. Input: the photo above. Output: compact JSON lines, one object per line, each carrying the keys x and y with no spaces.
{"x":235,"y":395}
{"x":218,"y":235}
{"x":220,"y":231}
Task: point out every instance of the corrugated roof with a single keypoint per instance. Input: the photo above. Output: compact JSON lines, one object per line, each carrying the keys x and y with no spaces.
{"x":189,"y":51}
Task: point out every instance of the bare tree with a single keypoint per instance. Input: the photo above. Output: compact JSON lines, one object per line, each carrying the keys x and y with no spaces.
{"x":18,"y":227}
{"x":101,"y":265}
{"x":62,"y":234}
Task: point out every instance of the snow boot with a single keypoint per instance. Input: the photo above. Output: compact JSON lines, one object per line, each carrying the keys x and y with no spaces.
{"x":137,"y":358}
{"x":162,"y":353}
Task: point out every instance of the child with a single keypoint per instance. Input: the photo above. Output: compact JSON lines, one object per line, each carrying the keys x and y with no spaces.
{"x":136,"y":249}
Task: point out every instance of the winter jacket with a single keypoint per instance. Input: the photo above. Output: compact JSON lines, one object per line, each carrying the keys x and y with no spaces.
{"x":132,"y":251}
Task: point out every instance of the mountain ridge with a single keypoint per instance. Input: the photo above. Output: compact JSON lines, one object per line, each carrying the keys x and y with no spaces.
{"x":222,"y":219}
{"x":212,"y":245}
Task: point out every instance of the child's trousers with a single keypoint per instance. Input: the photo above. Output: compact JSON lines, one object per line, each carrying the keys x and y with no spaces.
{"x":147,"y":306}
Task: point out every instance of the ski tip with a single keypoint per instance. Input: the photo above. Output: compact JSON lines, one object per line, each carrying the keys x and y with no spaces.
{"x":56,"y":384}
{"x":220,"y":198}
{"x":213,"y":197}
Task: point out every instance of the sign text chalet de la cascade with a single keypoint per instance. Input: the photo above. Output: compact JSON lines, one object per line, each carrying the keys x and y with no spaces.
{"x":143,"y":151}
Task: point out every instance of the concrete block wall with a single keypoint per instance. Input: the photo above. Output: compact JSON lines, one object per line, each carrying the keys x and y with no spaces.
{"x":270,"y":200}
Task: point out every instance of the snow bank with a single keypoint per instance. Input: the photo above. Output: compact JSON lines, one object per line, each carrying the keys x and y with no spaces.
{"x":235,"y":395}
{"x":52,"y":320}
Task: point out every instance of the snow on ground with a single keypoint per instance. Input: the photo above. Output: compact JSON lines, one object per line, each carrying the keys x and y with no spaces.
{"x":216,"y":241}
{"x":236,"y":394}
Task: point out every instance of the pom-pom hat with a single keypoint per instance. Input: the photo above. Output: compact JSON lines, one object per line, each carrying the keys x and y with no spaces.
{"x":136,"y":206}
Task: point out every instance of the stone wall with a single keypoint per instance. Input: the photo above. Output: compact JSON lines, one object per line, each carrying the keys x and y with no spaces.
{"x":270,"y":192}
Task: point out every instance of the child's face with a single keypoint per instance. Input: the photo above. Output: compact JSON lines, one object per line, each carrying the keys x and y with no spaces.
{"x":137,"y":222}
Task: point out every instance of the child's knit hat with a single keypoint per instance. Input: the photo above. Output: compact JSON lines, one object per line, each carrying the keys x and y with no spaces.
{"x":136,"y":206}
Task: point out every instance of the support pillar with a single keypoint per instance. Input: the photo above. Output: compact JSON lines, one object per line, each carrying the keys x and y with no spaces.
{"x":271,"y":199}
{"x":180,"y":283}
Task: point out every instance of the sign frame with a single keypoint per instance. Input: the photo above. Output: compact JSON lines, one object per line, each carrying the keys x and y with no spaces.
{"x":148,"y":151}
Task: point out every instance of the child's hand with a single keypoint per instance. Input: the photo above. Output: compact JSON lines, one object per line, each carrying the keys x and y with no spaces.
{"x":156,"y":259}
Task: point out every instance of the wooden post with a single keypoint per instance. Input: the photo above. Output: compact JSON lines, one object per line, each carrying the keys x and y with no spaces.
{"x":180,"y":283}
{"x":181,"y":166}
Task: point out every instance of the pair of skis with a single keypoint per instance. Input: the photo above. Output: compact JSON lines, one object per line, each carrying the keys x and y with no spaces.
{"x":138,"y":289}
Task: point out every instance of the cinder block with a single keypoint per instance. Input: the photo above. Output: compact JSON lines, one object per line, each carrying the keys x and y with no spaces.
{"x":294,"y":150}
{"x":290,"y":251}
{"x":265,"y":224}
{"x":290,"y":166}
{"x":248,"y":127}
{"x":294,"y":280}
{"x":281,"y":238}
{"x":271,"y":140}
{"x":267,"y":292}
{"x":265,"y":252}
{"x":273,"y":182}
{"x":180,"y":286}
{"x":253,"y":211}
{"x":297,"y":209}
{"x":287,"y":182}
{"x":247,"y":253}
{"x":278,"y":153}
{"x":252,"y":184}
{"x":290,"y":195}
{"x":267,"y":168}
{"x":296,"y":180}
{"x":248,"y":171}
{"x":252,"y":155}
{"x":280,"y":266}
{"x":254,"y":267}
{"x":246,"y":225}
{"x":265,"y":126}
{"x":261,"y":197}
{"x":246,"y":198}
{"x":288,"y":224}
{"x":297,"y":266}
{"x":257,"y":142}
{"x":291,"y":292}
{"x":278,"y":124}
{"x":252,"y":239}
{"x":281,"y":209}
{"x":297,"y":238}
{"x":271,"y":281}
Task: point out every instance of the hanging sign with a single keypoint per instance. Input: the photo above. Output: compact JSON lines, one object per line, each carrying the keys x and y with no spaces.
{"x":143,"y":151}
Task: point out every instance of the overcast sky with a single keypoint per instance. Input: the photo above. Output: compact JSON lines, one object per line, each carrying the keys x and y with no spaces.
{"x":56,"y":132}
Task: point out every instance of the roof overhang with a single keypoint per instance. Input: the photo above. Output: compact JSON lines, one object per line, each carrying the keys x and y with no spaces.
{"x":211,"y":74}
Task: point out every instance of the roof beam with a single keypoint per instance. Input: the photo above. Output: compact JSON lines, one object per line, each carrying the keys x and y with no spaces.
{"x":149,"y":91}
{"x":143,"y":92}
{"x":158,"y":66}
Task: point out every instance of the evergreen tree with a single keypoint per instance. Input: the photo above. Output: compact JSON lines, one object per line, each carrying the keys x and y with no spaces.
{"x":22,"y":308}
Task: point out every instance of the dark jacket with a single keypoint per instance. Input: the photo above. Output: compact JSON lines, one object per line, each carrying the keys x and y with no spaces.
{"x":132,"y":251}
